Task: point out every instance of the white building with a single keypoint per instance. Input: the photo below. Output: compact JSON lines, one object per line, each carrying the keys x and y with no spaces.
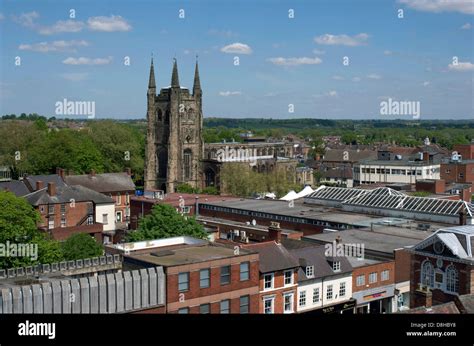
{"x":324,"y":282}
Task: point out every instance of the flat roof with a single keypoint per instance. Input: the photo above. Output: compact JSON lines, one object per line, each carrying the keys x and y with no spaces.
{"x":372,"y":240}
{"x":256,"y":227}
{"x":187,"y":254}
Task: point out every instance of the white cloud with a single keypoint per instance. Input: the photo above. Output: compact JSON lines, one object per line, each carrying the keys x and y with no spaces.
{"x":61,"y":26}
{"x":75,"y":77}
{"x":87,"y":61}
{"x":374,"y":76}
{"x":26,"y":19}
{"x":461,"y":66}
{"x":466,"y":26}
{"x":387,"y":52}
{"x":55,"y":46}
{"x":337,"y":77}
{"x":222,"y":33}
{"x":426,"y":83}
{"x":462,"y":6}
{"x":237,"y":48}
{"x":356,"y":79}
{"x":318,"y":52}
{"x":108,"y":24}
{"x":294,"y":61}
{"x":230,"y":93}
{"x":332,"y":93}
{"x":344,"y":40}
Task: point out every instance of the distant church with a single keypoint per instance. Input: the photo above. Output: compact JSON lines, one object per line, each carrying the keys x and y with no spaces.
{"x":174,"y":142}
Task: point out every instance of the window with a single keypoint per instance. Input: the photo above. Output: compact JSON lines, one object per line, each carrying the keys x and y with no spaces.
{"x":244,"y":304}
{"x":452,"y":279}
{"x":329,"y":292}
{"x":316,"y":295}
{"x":104,"y":219}
{"x":50,"y":208}
{"x":244,"y":271}
{"x":225,"y":306}
{"x":461,"y":175}
{"x":63,"y":221}
{"x":268,"y":281}
{"x":225,"y":275}
{"x":204,"y":309}
{"x":183,"y":311}
{"x":268,"y":305}
{"x":127,"y":198}
{"x":310,"y":271}
{"x":187,"y":164}
{"x":427,"y":274}
{"x":360,"y":280}
{"x":288,"y":299}
{"x":372,"y":278}
{"x":119,"y":199}
{"x":118,"y":216}
{"x":204,"y":278}
{"x":288,"y":277}
{"x":63,"y":207}
{"x":183,"y":282}
{"x":90,"y":220}
{"x":342,"y":289}
{"x":385,"y":275}
{"x":302,"y":298}
{"x":336,"y":266}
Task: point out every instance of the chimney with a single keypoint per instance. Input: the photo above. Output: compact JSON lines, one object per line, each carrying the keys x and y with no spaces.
{"x":92,"y":173}
{"x":423,"y":297}
{"x":60,"y":172}
{"x":52,"y":189}
{"x":338,"y":239}
{"x":128,"y":170}
{"x":426,"y":156}
{"x":39,"y":185}
{"x":466,"y":194}
{"x":462,"y":217}
{"x":274,"y":232}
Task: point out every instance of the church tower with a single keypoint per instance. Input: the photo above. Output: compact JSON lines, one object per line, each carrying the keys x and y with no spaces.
{"x":174,"y":145}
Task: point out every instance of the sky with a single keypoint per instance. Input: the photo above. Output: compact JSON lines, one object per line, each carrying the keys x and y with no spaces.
{"x":331,"y":59}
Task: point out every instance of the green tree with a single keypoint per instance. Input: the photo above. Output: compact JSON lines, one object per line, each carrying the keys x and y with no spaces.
{"x":164,"y":222}
{"x":79,"y":246}
{"x":186,"y":188}
{"x":18,"y":222}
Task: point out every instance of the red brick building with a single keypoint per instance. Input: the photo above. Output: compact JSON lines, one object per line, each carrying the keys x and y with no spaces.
{"x":278,"y":275}
{"x":201,"y":277}
{"x":442,"y":266}
{"x":460,"y":167}
{"x":66,"y":210}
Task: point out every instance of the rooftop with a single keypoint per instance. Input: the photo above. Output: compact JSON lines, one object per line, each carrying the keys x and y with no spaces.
{"x":273,"y":256}
{"x":66,"y":193}
{"x":105,"y":182}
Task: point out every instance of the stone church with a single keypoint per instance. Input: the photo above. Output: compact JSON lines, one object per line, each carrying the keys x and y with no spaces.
{"x":175,"y":152}
{"x":174,"y":142}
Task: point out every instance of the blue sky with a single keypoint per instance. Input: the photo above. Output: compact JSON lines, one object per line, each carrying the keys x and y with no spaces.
{"x":283,"y":61}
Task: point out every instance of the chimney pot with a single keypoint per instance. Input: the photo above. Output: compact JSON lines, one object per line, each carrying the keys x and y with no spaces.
{"x":39,"y":185}
{"x":274,"y":232}
{"x":52,"y":189}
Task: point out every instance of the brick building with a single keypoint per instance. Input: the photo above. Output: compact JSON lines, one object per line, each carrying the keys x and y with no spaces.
{"x":201,"y":277}
{"x":278,"y":275}
{"x":66,"y":210}
{"x":442,"y":266}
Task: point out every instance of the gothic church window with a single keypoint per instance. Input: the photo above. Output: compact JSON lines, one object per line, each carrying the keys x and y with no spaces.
{"x":187,"y":156}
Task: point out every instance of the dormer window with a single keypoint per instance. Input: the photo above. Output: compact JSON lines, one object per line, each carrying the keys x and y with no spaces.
{"x":310,"y":271}
{"x":336,"y":266}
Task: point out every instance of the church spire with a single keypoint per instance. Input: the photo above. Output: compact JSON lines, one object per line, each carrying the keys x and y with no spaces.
{"x":174,"y":76}
{"x":197,"y":81}
{"x":151,"y":81}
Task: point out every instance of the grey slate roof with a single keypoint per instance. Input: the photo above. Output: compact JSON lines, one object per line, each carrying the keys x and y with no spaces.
{"x":15,"y":186}
{"x":315,"y":256}
{"x":106,"y":182}
{"x":467,"y":301}
{"x":273,"y":256}
{"x":65,"y":193}
{"x":49,"y":178}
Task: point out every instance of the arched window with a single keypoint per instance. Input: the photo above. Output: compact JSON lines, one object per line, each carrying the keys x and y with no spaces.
{"x":427,"y":274}
{"x":188,"y":161}
{"x":210,"y":177}
{"x":162,"y":163}
{"x":452,"y":279}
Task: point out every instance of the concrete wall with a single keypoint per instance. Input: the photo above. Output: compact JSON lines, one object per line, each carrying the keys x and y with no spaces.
{"x":109,"y":293}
